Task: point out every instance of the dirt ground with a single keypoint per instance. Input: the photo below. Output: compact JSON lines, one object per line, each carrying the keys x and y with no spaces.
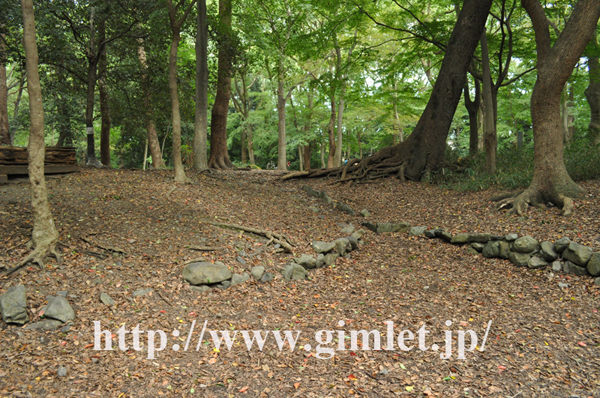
{"x":544,"y":340}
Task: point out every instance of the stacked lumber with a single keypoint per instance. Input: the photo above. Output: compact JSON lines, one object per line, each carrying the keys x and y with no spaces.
{"x":13,"y":156}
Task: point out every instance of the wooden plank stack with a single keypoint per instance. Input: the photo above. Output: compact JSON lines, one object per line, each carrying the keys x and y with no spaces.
{"x":58,"y":160}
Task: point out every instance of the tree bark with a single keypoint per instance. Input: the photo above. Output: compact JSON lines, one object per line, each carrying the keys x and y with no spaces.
{"x":281,"y":145}
{"x":331,"y":130}
{"x":201,"y":116}
{"x":45,"y":235}
{"x":555,"y":63}
{"x":5,"y":138}
{"x":592,"y":92}
{"x":104,"y":104}
{"x":219,"y":158}
{"x":473,"y":111}
{"x":490,"y":140}
{"x":92,"y":58}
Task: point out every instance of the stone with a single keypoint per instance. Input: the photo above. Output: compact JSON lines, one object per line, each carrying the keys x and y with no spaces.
{"x":370,"y":226}
{"x":224,"y":285}
{"x":557,"y":266}
{"x":460,"y":238}
{"x":241,"y":260}
{"x":330,"y":258}
{"x":141,"y":292}
{"x":348,"y":229}
{"x":401,"y":227}
{"x":66,"y":328}
{"x":504,"y":249}
{"x":417,"y":231}
{"x":342,"y":246}
{"x":479,"y":237}
{"x":525,"y":244}
{"x":345,"y":208}
{"x":536,"y":262}
{"x":320,"y":260}
{"x":257,"y":272}
{"x":519,"y":259}
{"x":313,"y":209}
{"x":572,"y":268}
{"x":45,"y":325}
{"x":547,"y":251}
{"x":563,"y":285}
{"x":59,"y":308}
{"x":353,"y":242}
{"x":383,"y":227}
{"x":307,"y":188}
{"x":359,"y":234}
{"x":511,"y":237}
{"x":491,"y":250}
{"x":430,"y":233}
{"x":63,"y":293}
{"x":322,"y":247}
{"x":597,"y":281}
{"x":578,"y":254}
{"x":307,"y":261}
{"x":447,"y":236}
{"x":13,"y":305}
{"x":593,"y":266}
{"x":294,"y":272}
{"x":62,"y":371}
{"x":201,"y":288}
{"x":478,"y":246}
{"x":561,"y":244}
{"x":365,"y":213}
{"x":237,"y":279}
{"x":204,"y":273}
{"x":267,"y":277}
{"x":496,"y":237}
{"x":472,"y":251}
{"x":106,"y":299}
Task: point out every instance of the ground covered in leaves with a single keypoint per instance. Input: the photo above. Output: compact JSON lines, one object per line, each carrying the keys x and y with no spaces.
{"x":544,"y":340}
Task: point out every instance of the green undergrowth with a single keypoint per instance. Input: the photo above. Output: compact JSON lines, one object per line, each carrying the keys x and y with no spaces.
{"x":514,"y":168}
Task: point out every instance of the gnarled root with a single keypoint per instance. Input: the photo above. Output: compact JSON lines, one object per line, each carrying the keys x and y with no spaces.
{"x":37,"y":256}
{"x":519,"y":203}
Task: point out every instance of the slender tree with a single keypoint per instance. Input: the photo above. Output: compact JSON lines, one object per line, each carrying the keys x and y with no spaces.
{"x":104,"y":104}
{"x":4,"y":129}
{"x":592,"y":92}
{"x":201,"y":117}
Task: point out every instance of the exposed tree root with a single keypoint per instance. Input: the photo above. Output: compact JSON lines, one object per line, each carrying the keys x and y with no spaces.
{"x":275,"y":237}
{"x":37,"y":256}
{"x":520,"y":202}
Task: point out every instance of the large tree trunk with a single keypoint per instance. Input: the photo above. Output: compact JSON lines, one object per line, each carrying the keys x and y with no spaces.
{"x":91,"y":89}
{"x":592,"y":92}
{"x":473,"y":111}
{"x":551,"y":182}
{"x":176,"y":115}
{"x":44,"y":236}
{"x":219,"y":158}
{"x":490,"y":140}
{"x":331,"y":131}
{"x":201,"y":116}
{"x":4,"y":127}
{"x":153,"y":142}
{"x":104,"y":105}
{"x":281,"y":146}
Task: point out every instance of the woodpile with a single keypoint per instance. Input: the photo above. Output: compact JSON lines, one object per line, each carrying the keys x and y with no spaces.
{"x":13,"y":156}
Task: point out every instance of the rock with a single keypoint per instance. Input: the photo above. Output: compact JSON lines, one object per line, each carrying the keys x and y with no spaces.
{"x":322,"y":247}
{"x":257,"y":272}
{"x":572,"y":268}
{"x":307,"y":188}
{"x":330,"y":258}
{"x":141,"y":292}
{"x":62,"y":371}
{"x":430,"y":233}
{"x":460,"y":238}
{"x":294,"y":272}
{"x":238,"y":279}
{"x":370,"y":226}
{"x":13,"y":305}
{"x":593,"y":266}
{"x":557,"y":266}
{"x":491,"y":250}
{"x":547,"y":251}
{"x":472,"y":251}
{"x":66,"y":328}
{"x":417,"y":231}
{"x":306,"y":261}
{"x":511,"y":237}
{"x":519,"y":259}
{"x":345,"y":208}
{"x":536,"y":262}
{"x":478,"y":246}
{"x":203,"y":273}
{"x":561,"y":244}
{"x":46,"y":324}
{"x":224,"y":285}
{"x":59,"y":308}
{"x":400,"y":227}
{"x":353,"y":242}
{"x":342,"y":246}
{"x":481,"y":238}
{"x":563,"y":285}
{"x":359,"y":234}
{"x":597,"y":281}
{"x":267,"y":277}
{"x":241,"y":260}
{"x":383,"y":227}
{"x":201,"y":288}
{"x":365,"y":213}
{"x":313,"y":209}
{"x":578,"y":254}
{"x":348,"y":229}
{"x":106,"y":299}
{"x":63,"y":293}
{"x":504,"y":249}
{"x":320,"y":260}
{"x":447,"y":236}
{"x":525,"y":244}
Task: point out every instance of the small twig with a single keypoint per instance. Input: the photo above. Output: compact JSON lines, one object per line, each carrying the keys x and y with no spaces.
{"x":170,"y":192}
{"x":163,"y":297}
{"x":204,"y":248}
{"x":108,"y":248}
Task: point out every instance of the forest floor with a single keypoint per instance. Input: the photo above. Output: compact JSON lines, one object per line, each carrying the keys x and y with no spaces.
{"x":544,"y":340}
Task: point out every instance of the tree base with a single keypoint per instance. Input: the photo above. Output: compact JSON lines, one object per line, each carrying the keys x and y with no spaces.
{"x":220,"y":163}
{"x":537,"y":197}
{"x":38,"y":255}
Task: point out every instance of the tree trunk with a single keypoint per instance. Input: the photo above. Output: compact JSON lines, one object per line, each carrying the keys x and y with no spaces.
{"x":219,"y":158}
{"x":153,"y":142}
{"x":104,"y":104}
{"x":92,"y":59}
{"x":592,"y":92}
{"x":4,"y":127}
{"x":176,"y":115}
{"x":331,"y":131}
{"x":323,"y":164}
{"x":201,"y":116}
{"x":489,"y":136}
{"x":281,"y":155}
{"x":44,"y":236}
{"x":551,"y":182}
{"x":340,"y":132}
{"x":307,"y":152}
{"x":473,"y":111}
{"x":250,"y":144}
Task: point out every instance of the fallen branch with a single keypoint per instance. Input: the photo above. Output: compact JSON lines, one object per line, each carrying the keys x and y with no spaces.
{"x":276,"y":237}
{"x":204,"y":248}
{"x":107,"y":248}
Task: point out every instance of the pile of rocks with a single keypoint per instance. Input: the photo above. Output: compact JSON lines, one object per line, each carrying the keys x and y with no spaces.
{"x":323,"y":195}
{"x":13,"y":306}
{"x":203,"y":276}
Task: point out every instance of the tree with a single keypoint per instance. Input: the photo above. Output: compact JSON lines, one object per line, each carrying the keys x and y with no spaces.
{"x":551,"y":182}
{"x":44,"y":236}
{"x":176,"y":24}
{"x":219,"y":157}
{"x":201,"y":117}
{"x":104,"y":105}
{"x":4,"y":130}
{"x":592,"y":92}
